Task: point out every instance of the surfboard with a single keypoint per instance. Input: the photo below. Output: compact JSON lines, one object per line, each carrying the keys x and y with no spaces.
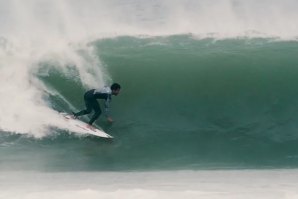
{"x":79,"y":126}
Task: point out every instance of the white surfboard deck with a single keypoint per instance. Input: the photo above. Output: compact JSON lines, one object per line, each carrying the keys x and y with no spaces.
{"x":78,"y":126}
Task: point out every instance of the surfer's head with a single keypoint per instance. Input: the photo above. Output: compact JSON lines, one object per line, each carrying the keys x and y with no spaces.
{"x":115,"y":88}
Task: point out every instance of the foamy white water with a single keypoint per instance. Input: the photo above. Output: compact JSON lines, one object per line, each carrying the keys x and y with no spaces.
{"x":246,"y":184}
{"x":23,"y":96}
{"x":76,"y":19}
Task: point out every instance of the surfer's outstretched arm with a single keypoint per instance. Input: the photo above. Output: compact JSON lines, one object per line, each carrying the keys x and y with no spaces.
{"x":107,"y":109}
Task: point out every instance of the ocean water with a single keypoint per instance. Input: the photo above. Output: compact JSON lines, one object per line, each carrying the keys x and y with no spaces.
{"x":233,"y":184}
{"x":207,"y":108}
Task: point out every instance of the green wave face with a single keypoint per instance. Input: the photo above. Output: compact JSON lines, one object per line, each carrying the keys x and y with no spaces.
{"x":185,"y":103}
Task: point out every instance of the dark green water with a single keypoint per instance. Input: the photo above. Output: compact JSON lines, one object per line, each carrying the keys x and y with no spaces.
{"x":185,"y":104}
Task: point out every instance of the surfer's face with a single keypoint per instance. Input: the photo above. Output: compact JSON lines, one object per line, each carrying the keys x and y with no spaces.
{"x":116,"y":92}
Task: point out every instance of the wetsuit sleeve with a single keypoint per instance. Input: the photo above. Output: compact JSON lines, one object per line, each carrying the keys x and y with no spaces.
{"x":107,"y":106}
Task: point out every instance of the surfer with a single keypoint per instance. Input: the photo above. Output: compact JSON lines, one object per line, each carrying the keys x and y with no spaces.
{"x":90,"y":98}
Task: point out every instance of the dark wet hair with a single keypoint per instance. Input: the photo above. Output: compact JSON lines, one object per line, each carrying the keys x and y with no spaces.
{"x":115,"y":86}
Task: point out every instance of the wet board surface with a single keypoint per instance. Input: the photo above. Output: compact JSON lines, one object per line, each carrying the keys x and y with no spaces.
{"x":79,"y":126}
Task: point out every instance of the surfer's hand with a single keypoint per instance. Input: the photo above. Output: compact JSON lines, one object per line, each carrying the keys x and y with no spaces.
{"x":110,"y":120}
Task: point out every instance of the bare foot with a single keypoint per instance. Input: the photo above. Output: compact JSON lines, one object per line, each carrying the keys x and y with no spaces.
{"x":91,"y":127}
{"x":73,"y":117}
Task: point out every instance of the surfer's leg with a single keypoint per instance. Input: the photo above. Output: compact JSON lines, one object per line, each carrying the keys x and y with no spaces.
{"x":97,"y":112}
{"x":88,"y":103}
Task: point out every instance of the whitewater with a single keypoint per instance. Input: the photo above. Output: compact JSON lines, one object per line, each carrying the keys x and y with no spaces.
{"x":208,"y":107}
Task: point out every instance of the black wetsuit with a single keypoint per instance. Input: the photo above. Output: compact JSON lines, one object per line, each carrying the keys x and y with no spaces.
{"x":90,"y":98}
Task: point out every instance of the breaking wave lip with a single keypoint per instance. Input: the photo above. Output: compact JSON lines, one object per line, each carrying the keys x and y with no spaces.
{"x":76,"y":20}
{"x":24,"y":102}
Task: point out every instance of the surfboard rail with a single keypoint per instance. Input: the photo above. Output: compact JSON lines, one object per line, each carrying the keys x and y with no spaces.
{"x":78,"y":126}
